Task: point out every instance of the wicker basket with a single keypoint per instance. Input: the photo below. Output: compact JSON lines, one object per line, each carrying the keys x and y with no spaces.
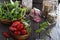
{"x":4,"y":21}
{"x":20,"y":37}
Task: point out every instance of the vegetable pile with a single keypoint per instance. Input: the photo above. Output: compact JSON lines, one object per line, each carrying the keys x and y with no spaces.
{"x":11,"y":11}
{"x":18,"y":28}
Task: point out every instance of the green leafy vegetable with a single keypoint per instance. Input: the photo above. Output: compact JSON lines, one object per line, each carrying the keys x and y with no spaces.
{"x":28,"y":29}
{"x":38,"y":30}
{"x":42,"y":27}
{"x":11,"y":10}
{"x":27,"y":25}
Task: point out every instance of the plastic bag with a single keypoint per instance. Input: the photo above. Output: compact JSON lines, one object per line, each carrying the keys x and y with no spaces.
{"x":49,"y":10}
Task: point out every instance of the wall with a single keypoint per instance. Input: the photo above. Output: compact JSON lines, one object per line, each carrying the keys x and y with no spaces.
{"x":38,"y":4}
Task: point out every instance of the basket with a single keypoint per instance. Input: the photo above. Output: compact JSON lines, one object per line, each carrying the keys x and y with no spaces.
{"x":5,"y":21}
{"x":20,"y":37}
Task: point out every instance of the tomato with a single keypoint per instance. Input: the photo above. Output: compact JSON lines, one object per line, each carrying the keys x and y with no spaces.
{"x":12,"y":29}
{"x":24,"y":32}
{"x":24,"y":28}
{"x":17,"y":32}
{"x":19,"y":27}
{"x":6,"y":34}
{"x":15,"y":23}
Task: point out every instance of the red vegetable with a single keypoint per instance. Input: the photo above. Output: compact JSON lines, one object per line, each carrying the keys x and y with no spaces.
{"x":17,"y":32}
{"x":12,"y":29}
{"x":24,"y":32}
{"x":20,"y":27}
{"x":24,"y":28}
{"x":15,"y":23}
{"x":22,"y":24}
{"x":6,"y":34}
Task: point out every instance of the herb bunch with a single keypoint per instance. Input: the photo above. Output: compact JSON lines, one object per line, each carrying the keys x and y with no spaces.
{"x":11,"y":11}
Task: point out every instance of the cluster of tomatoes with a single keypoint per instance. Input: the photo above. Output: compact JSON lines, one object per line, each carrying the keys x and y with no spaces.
{"x":18,"y":28}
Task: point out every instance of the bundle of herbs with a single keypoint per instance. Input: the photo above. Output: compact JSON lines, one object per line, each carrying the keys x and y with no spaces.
{"x":11,"y":11}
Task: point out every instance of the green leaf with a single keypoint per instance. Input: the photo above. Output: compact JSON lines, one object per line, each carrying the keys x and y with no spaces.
{"x":14,"y":19}
{"x":26,"y":23}
{"x":28,"y":29}
{"x":12,"y":11}
{"x":22,"y":10}
{"x":0,"y":12}
{"x":16,"y":4}
{"x":12,"y":2}
{"x":43,"y":25}
{"x":39,"y":30}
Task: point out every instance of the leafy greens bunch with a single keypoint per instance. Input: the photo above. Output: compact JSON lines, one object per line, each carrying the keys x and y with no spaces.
{"x":11,"y":11}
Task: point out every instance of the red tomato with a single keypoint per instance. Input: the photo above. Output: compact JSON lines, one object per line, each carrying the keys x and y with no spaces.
{"x":22,"y":24}
{"x":15,"y":23}
{"x":24,"y":32}
{"x":12,"y":29}
{"x":20,"y":27}
{"x":17,"y":32}
{"x":6,"y":34}
{"x":24,"y":28}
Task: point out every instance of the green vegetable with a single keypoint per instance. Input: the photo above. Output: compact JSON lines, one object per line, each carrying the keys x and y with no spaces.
{"x":11,"y":10}
{"x":42,"y":27}
{"x":28,"y":29}
{"x":38,"y":31}
{"x":27,"y":25}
